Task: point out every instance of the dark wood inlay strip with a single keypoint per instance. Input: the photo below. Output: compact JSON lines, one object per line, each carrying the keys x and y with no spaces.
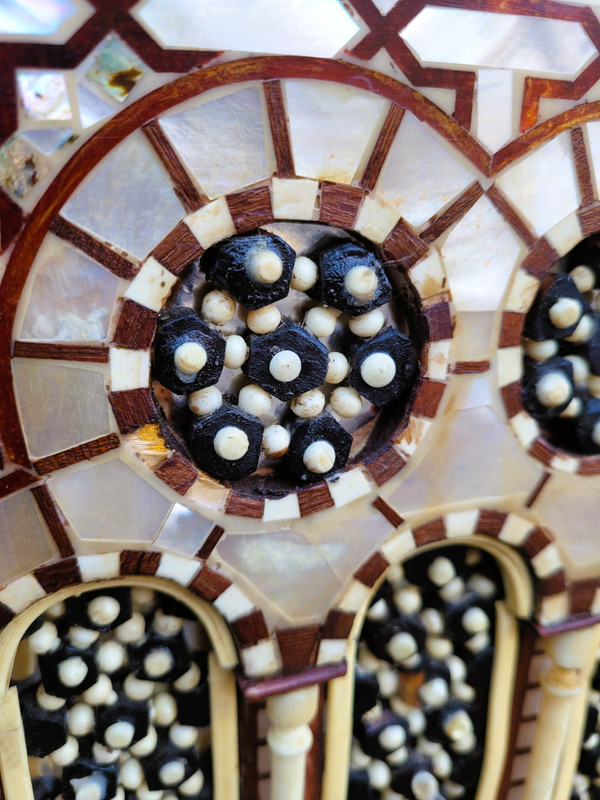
{"x":82,"y":452}
{"x":392,"y":516}
{"x":133,"y":409}
{"x":372,"y":569}
{"x":470,"y":367}
{"x":298,"y":646}
{"x":511,"y":216}
{"x":177,"y":249}
{"x":251,"y":628}
{"x":582,"y":166}
{"x":537,"y":490}
{"x":209,"y":584}
{"x":452,"y":214}
{"x":139,"y":562}
{"x":177,"y":473}
{"x":387,"y":134}
{"x":14,"y":481}
{"x":95,"y":354}
{"x":245,"y":506}
{"x":385,"y":466}
{"x":433,"y":531}
{"x":251,"y":209}
{"x":340,"y":204}
{"x":316,"y":498}
{"x":279,"y":129}
{"x":136,"y":326}
{"x":210,"y":543}
{"x":98,"y":251}
{"x":54,"y":520}
{"x":53,"y":577}
{"x":183,"y":185}
{"x":404,"y":246}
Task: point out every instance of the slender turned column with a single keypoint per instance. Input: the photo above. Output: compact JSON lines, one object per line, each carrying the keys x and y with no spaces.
{"x":289,"y":739}
{"x":561,"y":683}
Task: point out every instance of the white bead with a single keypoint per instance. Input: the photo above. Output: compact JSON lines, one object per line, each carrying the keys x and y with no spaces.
{"x":165,"y":709}
{"x":218,"y":307}
{"x":482,"y":585}
{"x":236,"y":351}
{"x":358,"y":758}
{"x":44,"y":639}
{"x":434,"y":693}
{"x":146,"y":745}
{"x":346,"y":402}
{"x":307,"y":405}
{"x":408,"y":599}
{"x":442,"y":764}
{"x":133,"y":630}
{"x":458,"y":725}
{"x":417,"y":721}
{"x":254,"y":400}
{"x":453,"y":790}
{"x":387,"y":677}
{"x":565,"y":312}
{"x":264,"y":320}
{"x":540,"y":351}
{"x":275,"y":441}
{"x":82,"y":638}
{"x":553,"y":389}
{"x":338,"y":368}
{"x":457,"y":667}
{"x":231,"y":443}
{"x":380,"y":775}
{"x":99,"y":692}
{"x":462,"y":691}
{"x":48,"y":701}
{"x":465,"y":744}
{"x":361,"y":282}
{"x":263,"y":265}
{"x":103,"y":610}
{"x":439,"y":647}
{"x":379,"y":611}
{"x":392,"y":737}
{"x":596,"y":434}
{"x":584,"y":278}
{"x":144,"y":793}
{"x":183,"y":736}
{"x":593,"y":385}
{"x":583,"y":331}
{"x":66,"y":754}
{"x":285,"y":366}
{"x":142,"y":599}
{"x":166,"y":624}
{"x":131,"y":774}
{"x":581,"y":369}
{"x":92,"y":787}
{"x":475,"y":619}
{"x":81,"y":719}
{"x":453,"y":590}
{"x":433,"y":621}
{"x":110,"y":656}
{"x":158,"y":662}
{"x":105,"y":755}
{"x":205,"y":401}
{"x":378,"y":369}
{"x":320,"y":321}
{"x":193,"y":785}
{"x":137,"y":689}
{"x":319,"y":457}
{"x":478,"y":642}
{"x":401,"y":646}
{"x":424,"y":786}
{"x":56,"y":610}
{"x":171,"y":773}
{"x":190,"y":357}
{"x":189,"y":679}
{"x":72,"y":671}
{"x":304,"y":275}
{"x":367,"y":324}
{"x":440,"y":571}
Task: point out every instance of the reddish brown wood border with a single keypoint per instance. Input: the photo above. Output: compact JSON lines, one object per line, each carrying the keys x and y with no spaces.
{"x":15,"y":481}
{"x":582,"y":166}
{"x":183,"y":185}
{"x":511,"y":215}
{"x":382,"y":146}
{"x":92,"y":354}
{"x":82,"y":452}
{"x":93,"y":248}
{"x":177,"y":473}
{"x":470,"y":367}
{"x":388,"y":512}
{"x":210,"y":543}
{"x":135,"y":327}
{"x":451,"y":215}
{"x":133,"y":409}
{"x":54,"y":520}
{"x":385,"y":465}
{"x":177,"y":249}
{"x":256,"y":690}
{"x":250,"y":208}
{"x":340,"y":204}
{"x":298,"y":646}
{"x":280,"y":134}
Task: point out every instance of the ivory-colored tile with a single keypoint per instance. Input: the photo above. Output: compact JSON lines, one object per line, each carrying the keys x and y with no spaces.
{"x":129,"y":369}
{"x":596,"y":603}
{"x":569,"y":506}
{"x":525,"y":428}
{"x":324,"y":145}
{"x":421,"y":173}
{"x":349,"y":486}
{"x":510,"y":365}
{"x":72,"y":298}
{"x":294,"y":198}
{"x":184,"y":531}
{"x":355,"y":596}
{"x":261,"y":659}
{"x":151,"y":286}
{"x":475,"y":457}
{"x":547,"y":561}
{"x":515,"y":530}
{"x":565,"y":234}
{"x":109,"y":501}
{"x":133,"y":214}
{"x":281,"y":565}
{"x":24,"y":539}
{"x":211,"y":223}
{"x":532,"y":702}
{"x":543,"y":185}
{"x":554,"y":608}
{"x":60,"y":406}
{"x":21,"y":593}
{"x":99,"y":567}
{"x":222,"y":141}
{"x":376,"y":219}
{"x":412,"y":435}
{"x":479,"y":255}
{"x":178,"y":569}
{"x":233,"y":603}
{"x":429,"y":276}
{"x":473,"y":332}
{"x":460,"y":524}
{"x":565,"y":463}
{"x":331,"y":651}
{"x":522,"y":291}
{"x":526,"y":735}
{"x":438,"y":355}
{"x":284,"y":508}
{"x":520,"y":767}
{"x":495,"y":88}
{"x":398,"y":546}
